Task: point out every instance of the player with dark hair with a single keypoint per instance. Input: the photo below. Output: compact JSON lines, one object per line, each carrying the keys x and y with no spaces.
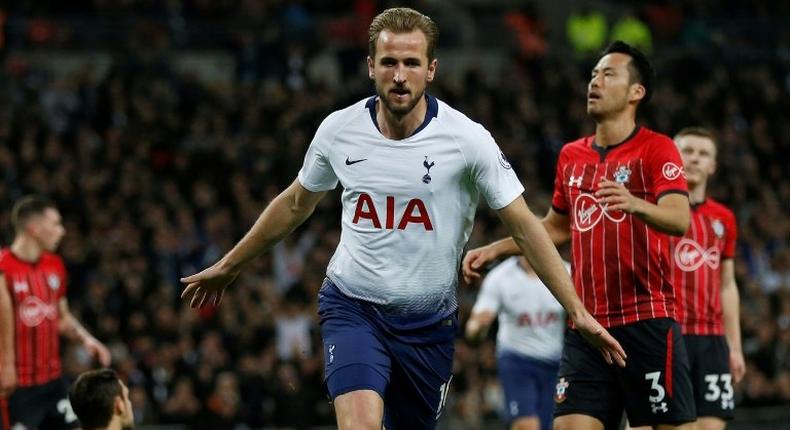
{"x":412,"y":170}
{"x":33,"y":314}
{"x":101,"y":401}
{"x":618,"y":195}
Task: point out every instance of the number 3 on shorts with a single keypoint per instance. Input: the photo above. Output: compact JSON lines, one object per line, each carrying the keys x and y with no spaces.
{"x":657,"y":392}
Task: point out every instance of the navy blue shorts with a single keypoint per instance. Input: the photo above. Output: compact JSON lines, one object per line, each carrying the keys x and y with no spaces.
{"x":410,"y":368}
{"x":710,"y":374}
{"x":529,"y":386}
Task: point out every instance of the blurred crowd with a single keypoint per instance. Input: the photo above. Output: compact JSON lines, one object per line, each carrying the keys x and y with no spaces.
{"x":158,"y":173}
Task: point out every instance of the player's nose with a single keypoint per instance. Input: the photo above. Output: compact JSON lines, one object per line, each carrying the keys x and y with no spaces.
{"x":399,"y":75}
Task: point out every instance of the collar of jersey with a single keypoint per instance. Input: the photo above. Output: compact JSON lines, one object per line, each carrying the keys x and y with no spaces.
{"x":430,"y":113}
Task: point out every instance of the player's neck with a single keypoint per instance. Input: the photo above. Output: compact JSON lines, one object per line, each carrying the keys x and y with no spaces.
{"x":400,"y":127}
{"x":610,"y":132}
{"x":26,"y":248}
{"x":697,"y":193}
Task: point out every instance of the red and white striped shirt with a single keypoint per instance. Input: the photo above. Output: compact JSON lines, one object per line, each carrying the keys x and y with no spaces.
{"x":621,"y":266}
{"x":696,"y":259}
{"x":36,"y":289}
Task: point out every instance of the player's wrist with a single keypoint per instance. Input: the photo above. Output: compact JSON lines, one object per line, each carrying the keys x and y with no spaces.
{"x":228,"y":265}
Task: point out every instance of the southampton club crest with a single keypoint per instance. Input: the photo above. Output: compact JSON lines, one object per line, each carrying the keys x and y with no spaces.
{"x":53,"y":281}
{"x":718,"y":228}
{"x":562,"y":386}
{"x":622,"y":174}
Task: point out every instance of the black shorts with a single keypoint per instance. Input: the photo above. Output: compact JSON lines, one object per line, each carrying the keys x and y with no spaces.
{"x":654,"y":387}
{"x":709,"y":357}
{"x":41,"y":407}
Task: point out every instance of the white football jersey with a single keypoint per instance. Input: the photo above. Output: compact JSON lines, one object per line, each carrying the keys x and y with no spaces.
{"x":408,"y":205}
{"x":531,"y":320}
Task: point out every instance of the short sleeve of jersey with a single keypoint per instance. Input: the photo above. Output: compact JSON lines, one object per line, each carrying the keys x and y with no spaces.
{"x":731,"y":236}
{"x":488,"y":299}
{"x":492,"y":173}
{"x":665,"y":167}
{"x":558,"y":201}
{"x":316,"y":173}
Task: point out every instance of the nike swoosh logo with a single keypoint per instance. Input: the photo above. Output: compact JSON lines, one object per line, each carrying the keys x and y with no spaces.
{"x":350,"y":162}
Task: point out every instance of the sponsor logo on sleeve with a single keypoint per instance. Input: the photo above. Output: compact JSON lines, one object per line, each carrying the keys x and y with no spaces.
{"x":671,"y":171}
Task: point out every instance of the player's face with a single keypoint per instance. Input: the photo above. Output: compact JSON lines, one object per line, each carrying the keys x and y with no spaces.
{"x":699,"y":157}
{"x":126,"y":412}
{"x":609,"y":91}
{"x":401,"y":70}
{"x":48,"y":229}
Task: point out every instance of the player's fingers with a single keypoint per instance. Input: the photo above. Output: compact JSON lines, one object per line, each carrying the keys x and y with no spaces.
{"x":606,"y":356}
{"x":188,"y":279}
{"x":203,"y":298}
{"x":188,"y":291}
{"x":193,"y":278}
{"x":476,"y":262}
{"x":105,"y":357}
{"x":196,"y":298}
{"x":617,"y":351}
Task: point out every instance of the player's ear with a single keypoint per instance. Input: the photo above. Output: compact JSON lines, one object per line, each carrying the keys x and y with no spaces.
{"x":432,"y":66}
{"x":118,"y":406}
{"x":638,"y":92}
{"x":370,"y":68}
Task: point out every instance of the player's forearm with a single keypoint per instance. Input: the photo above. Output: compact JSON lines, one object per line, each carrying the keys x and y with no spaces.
{"x":559,"y":234}
{"x":506,"y":247}
{"x":730,"y":306}
{"x":670,"y":219}
{"x":279,"y":219}
{"x":535,"y":243}
{"x":475,"y":329}
{"x":72,"y":330}
{"x":7,"y":354}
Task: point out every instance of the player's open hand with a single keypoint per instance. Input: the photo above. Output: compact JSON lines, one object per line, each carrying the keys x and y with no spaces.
{"x":98,"y":350}
{"x":7,"y":381}
{"x":207,"y":286}
{"x":737,"y":366}
{"x":616,"y":197}
{"x":594,"y":333}
{"x":474,"y":261}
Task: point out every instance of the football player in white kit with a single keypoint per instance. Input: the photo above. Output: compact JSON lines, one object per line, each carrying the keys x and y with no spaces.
{"x":412,"y":169}
{"x":528,"y":343}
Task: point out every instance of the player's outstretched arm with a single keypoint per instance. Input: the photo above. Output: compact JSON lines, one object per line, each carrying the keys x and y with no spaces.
{"x":535,"y":243}
{"x":7,"y":353}
{"x":286,"y":212}
{"x":73,"y":330}
{"x":670,"y":215}
{"x":730,"y":307}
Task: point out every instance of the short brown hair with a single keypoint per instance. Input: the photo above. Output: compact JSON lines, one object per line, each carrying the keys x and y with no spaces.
{"x":403,"y":20}
{"x":696,"y":131}
{"x":28,"y":207}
